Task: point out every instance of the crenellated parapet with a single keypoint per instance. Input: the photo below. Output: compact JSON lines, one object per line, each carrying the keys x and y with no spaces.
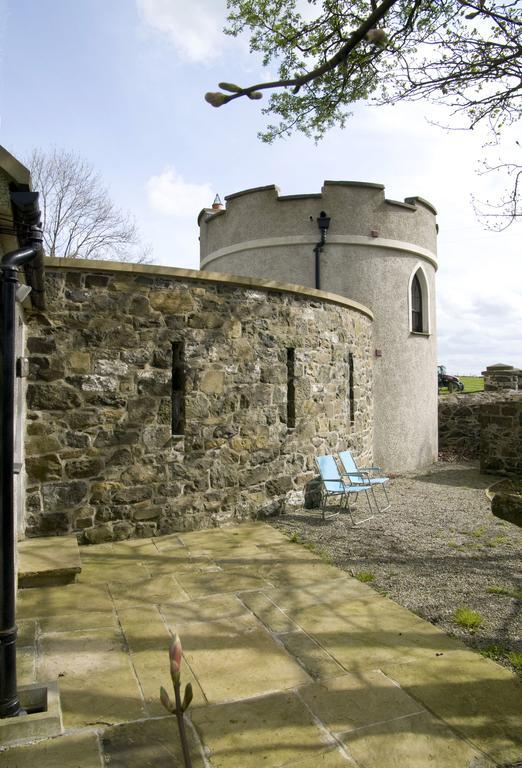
{"x":360,"y":214}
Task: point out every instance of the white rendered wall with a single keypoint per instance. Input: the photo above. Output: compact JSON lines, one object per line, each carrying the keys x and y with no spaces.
{"x":373,"y":247}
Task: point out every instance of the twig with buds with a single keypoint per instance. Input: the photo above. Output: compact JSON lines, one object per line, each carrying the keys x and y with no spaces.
{"x":179,"y":707}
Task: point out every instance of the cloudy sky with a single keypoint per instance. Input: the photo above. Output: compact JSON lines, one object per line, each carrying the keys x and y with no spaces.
{"x":121,"y":82}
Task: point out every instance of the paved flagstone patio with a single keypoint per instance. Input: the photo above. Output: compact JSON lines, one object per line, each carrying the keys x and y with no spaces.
{"x":293,"y":663}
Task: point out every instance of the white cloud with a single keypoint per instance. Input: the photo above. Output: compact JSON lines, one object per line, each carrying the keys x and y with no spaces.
{"x":194,"y":27}
{"x":170,"y":195}
{"x":475,"y":331}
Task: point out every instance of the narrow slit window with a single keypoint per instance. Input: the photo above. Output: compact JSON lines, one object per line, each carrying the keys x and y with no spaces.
{"x":351,"y":398}
{"x":290,"y":387}
{"x":178,"y":388}
{"x":416,"y":305}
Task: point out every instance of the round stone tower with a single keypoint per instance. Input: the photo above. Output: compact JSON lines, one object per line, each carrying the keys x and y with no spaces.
{"x":351,"y":240}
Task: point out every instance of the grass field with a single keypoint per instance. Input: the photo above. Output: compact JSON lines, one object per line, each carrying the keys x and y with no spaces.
{"x":471,"y":384}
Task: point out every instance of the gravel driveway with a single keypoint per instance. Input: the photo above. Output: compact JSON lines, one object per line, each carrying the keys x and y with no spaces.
{"x":438,"y":549}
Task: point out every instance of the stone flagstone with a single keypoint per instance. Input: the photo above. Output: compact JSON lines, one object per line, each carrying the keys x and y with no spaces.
{"x":476,"y":697}
{"x":416,"y":741}
{"x":51,"y":601}
{"x":237,"y":659}
{"x":354,"y":701}
{"x":97,"y":682}
{"x":207,"y":608}
{"x":148,"y":744}
{"x":292,"y":663}
{"x":271,"y":731}
{"x":71,"y":751}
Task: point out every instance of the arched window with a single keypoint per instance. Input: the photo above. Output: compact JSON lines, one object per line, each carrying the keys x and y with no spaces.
{"x":416,"y":305}
{"x":419,"y":301}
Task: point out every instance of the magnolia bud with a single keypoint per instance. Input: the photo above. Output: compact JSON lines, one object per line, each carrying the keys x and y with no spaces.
{"x":216,"y":98}
{"x":255,"y":95}
{"x":187,"y":698}
{"x":377,"y":36}
{"x":230,"y":87}
{"x":165,"y":700}
{"x":175,"y":654}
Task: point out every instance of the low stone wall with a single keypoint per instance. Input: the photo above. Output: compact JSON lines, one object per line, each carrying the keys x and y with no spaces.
{"x":502,"y":377}
{"x":459,"y":421}
{"x":102,"y":459}
{"x":501,"y":437}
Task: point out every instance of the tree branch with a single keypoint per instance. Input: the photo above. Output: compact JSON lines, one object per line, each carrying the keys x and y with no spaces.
{"x":342,"y":54}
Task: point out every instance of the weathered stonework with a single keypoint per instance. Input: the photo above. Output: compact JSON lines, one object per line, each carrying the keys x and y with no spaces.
{"x":460,"y":420}
{"x":501,"y":437}
{"x":502,"y":377}
{"x":102,"y":459}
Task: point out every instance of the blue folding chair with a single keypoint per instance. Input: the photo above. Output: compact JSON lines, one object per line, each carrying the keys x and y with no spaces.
{"x":366,"y":476}
{"x":332,"y":484}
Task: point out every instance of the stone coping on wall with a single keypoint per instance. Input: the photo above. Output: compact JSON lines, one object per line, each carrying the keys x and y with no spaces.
{"x":154,"y":270}
{"x":416,"y":200}
{"x":13,"y":167}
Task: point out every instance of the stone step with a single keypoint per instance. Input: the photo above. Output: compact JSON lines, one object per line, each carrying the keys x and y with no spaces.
{"x":47,"y":562}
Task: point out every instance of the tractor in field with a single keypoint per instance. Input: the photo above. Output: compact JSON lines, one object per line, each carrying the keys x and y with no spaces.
{"x":453,"y":383}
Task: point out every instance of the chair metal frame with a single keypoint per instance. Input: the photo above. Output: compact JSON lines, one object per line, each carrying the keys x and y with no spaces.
{"x":341,"y":488}
{"x":366,"y":475}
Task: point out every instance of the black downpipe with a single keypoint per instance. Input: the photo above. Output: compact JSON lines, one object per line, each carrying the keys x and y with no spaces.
{"x":9,"y":701}
{"x":317,"y":250}
{"x":323,"y":222}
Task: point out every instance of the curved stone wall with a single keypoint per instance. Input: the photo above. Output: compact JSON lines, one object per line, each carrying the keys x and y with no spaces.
{"x":102,"y":459}
{"x":373,"y":248}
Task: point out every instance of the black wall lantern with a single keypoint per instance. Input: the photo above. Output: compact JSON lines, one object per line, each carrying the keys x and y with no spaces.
{"x":323,"y":222}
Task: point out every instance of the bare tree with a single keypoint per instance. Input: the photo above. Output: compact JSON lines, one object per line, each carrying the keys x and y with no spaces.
{"x":79,"y":219}
{"x":500,"y":213}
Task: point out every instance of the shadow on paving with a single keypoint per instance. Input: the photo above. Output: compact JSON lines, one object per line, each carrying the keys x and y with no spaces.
{"x":372,"y":678}
{"x":461,"y":477}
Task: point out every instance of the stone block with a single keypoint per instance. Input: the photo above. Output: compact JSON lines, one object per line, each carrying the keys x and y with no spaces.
{"x":46,"y":368}
{"x":51,"y":523}
{"x":41,"y":345}
{"x":97,"y":281}
{"x":48,"y":561}
{"x":508,"y":507}
{"x":279,"y":485}
{"x":43,"y":719}
{"x":43,"y":468}
{"x":171,"y":302}
{"x":212,"y":382}
{"x":63,"y":496}
{"x":98,"y":534}
{"x":83,"y":468}
{"x":98,"y":383}
{"x":131,"y":495}
{"x":52,"y":397}
{"x":77,"y":439}
{"x":111,"y":367}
